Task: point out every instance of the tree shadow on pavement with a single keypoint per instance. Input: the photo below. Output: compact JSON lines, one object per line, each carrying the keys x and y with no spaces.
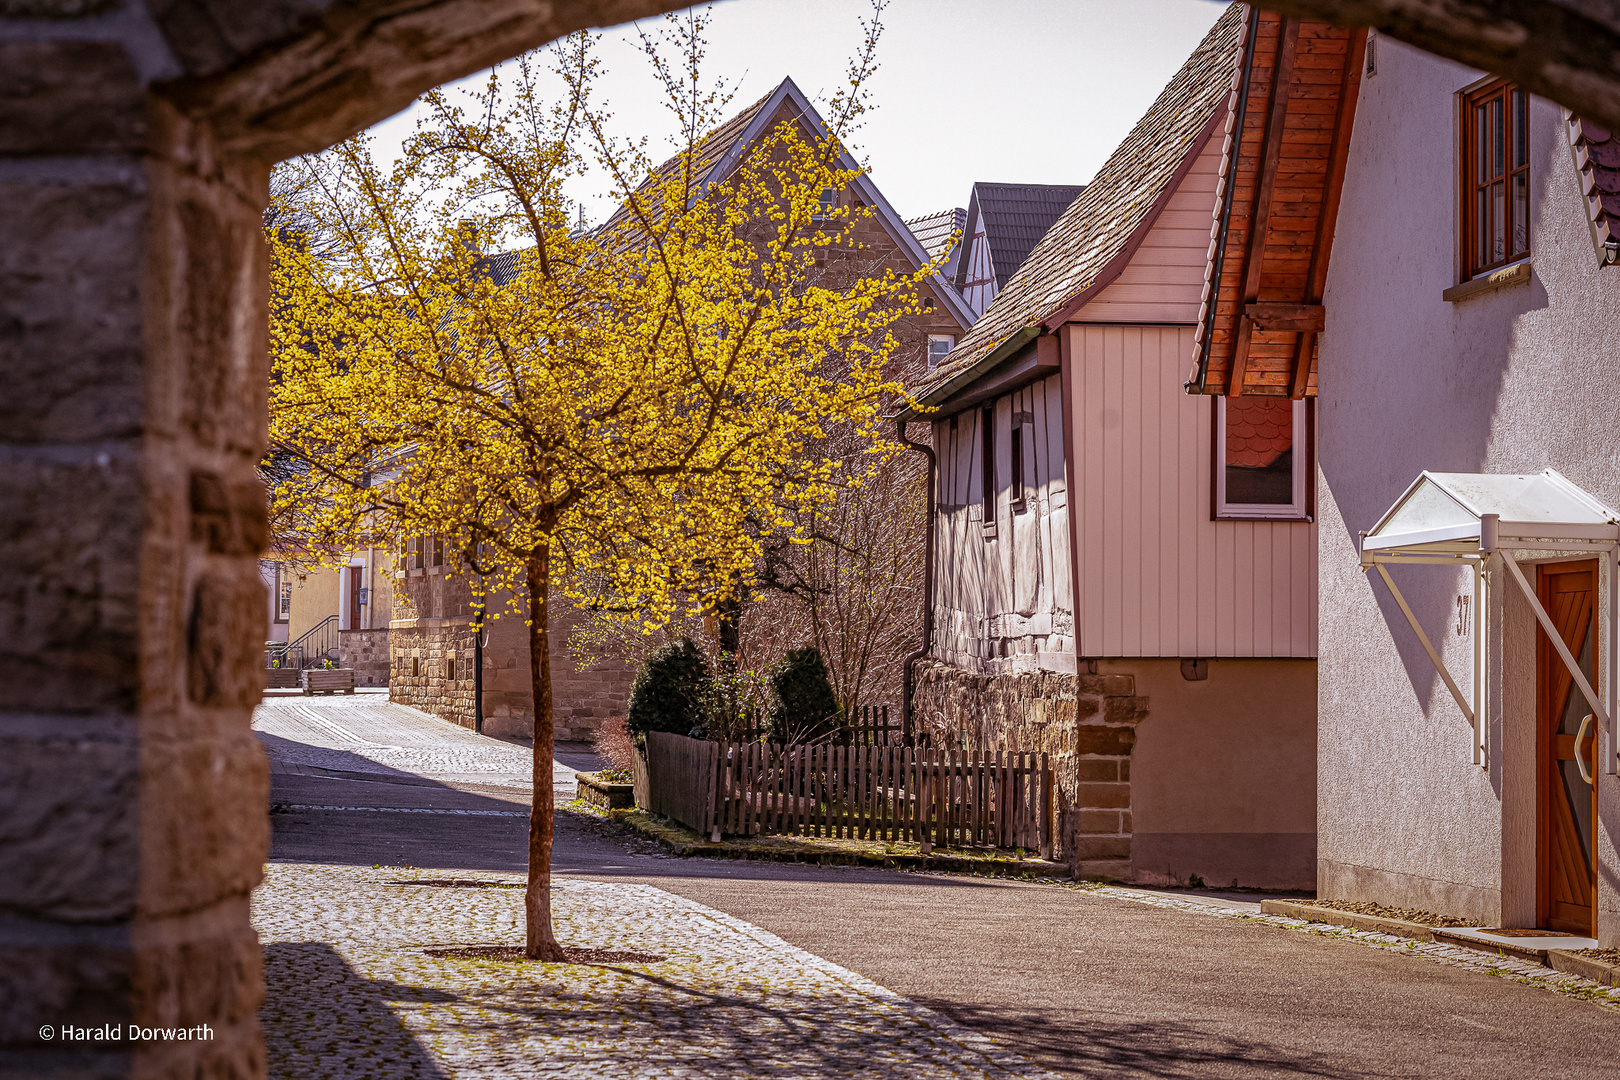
{"x":1086,"y":1047}
{"x":322,"y":1018}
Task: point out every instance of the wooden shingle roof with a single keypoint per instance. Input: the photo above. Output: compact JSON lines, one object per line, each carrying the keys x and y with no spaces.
{"x":1081,"y":252}
{"x":1293,"y":108}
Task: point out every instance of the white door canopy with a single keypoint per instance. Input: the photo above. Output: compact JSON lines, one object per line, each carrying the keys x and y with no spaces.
{"x":1477,"y":519}
{"x":1454,"y":513}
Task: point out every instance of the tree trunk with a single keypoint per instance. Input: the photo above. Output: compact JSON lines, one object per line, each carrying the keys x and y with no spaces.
{"x":541,"y":943}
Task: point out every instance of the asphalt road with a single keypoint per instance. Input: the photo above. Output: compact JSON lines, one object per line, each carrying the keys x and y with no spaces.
{"x":1085,"y":985}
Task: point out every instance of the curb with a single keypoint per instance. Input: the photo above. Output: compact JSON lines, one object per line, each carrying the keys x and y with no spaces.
{"x":1312,"y":913}
{"x":683,"y":842}
{"x":1569,"y":963}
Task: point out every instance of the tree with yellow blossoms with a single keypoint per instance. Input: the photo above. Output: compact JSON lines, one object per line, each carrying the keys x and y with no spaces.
{"x":620,"y":417}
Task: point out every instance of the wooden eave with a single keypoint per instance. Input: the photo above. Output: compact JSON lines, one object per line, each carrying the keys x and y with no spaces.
{"x":1292,"y":109}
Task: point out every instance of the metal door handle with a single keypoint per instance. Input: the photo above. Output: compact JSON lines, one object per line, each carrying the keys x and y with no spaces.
{"x":1580,"y":762}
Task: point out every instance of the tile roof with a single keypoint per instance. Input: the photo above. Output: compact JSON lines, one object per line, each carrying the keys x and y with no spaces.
{"x":1101,"y":222}
{"x":934,"y":231}
{"x":1015,"y":217}
{"x":1597,"y":159}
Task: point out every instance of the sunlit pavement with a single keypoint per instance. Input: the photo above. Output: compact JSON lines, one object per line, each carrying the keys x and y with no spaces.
{"x":1082,"y":983}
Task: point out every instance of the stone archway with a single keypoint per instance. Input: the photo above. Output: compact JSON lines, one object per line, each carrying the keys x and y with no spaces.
{"x":135,"y":142}
{"x":135,"y":139}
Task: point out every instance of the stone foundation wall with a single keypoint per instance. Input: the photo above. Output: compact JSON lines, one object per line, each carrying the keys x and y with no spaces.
{"x":1087,"y":723}
{"x":432,"y":670}
{"x":366,"y":651}
{"x":431,"y":667}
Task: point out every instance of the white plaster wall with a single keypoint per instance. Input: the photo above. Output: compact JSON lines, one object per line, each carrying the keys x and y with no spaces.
{"x":1514,"y":380}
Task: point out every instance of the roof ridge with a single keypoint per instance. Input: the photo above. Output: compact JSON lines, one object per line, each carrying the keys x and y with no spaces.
{"x":1099,"y":223}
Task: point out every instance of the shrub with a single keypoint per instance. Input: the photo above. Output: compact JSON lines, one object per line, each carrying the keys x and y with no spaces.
{"x":614,"y":744}
{"x":802,"y":702}
{"x":670,"y":691}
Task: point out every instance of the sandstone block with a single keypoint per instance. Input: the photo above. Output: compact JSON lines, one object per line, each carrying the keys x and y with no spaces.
{"x":1102,"y":796}
{"x":1098,"y":821}
{"x":69,"y":839}
{"x":1103,"y":739}
{"x":1095,"y":769}
{"x":70,"y":97}
{"x":1091,"y":848}
{"x":205,"y":833}
{"x":227,"y":617}
{"x":48,"y":973}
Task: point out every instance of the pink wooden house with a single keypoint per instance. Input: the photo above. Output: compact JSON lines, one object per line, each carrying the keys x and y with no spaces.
{"x":1124,"y":575}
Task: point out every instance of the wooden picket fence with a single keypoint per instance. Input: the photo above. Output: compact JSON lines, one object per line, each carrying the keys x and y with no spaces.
{"x":870,"y":726}
{"x":936,"y":797}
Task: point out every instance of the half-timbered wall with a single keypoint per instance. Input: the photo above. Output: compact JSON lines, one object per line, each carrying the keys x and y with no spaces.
{"x":979,"y":286}
{"x":1157,"y":575}
{"x":1002,"y":597}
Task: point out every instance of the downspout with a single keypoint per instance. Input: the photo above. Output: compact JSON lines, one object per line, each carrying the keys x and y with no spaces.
{"x":1253,"y":17}
{"x":928,"y":581}
{"x":478,"y":663}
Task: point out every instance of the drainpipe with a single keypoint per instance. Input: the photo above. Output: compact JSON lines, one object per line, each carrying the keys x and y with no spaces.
{"x":928,"y":580}
{"x":478,"y":667}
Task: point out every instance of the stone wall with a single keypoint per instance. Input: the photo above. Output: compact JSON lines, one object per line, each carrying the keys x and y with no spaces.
{"x":432,"y":655}
{"x":366,"y":651}
{"x":1087,"y":723}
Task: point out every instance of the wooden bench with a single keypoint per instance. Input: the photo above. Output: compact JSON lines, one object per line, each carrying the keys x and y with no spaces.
{"x":328,"y":681}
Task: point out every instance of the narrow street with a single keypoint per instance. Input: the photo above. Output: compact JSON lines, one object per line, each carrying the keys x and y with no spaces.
{"x":1071,"y":982}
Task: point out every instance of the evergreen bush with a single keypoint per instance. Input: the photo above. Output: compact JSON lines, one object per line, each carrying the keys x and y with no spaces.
{"x":671,"y":691}
{"x":803,"y":705}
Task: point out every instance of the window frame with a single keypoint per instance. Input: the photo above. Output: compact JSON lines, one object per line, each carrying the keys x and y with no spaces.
{"x":950,"y":343}
{"x":281,"y":613}
{"x":1303,"y":465}
{"x":987,"y":467}
{"x":1474,"y":264}
{"x":1015,"y":491}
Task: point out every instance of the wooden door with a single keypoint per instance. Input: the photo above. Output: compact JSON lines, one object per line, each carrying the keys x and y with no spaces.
{"x":357,"y":578}
{"x":1566,"y":851}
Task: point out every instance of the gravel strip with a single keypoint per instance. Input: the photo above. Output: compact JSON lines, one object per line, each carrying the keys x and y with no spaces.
{"x":1380,"y":911}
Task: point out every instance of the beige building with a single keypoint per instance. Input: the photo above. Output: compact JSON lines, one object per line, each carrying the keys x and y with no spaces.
{"x":338,"y":614}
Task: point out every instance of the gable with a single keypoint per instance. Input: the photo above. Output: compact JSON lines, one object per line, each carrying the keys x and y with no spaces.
{"x":1092,"y":240}
{"x":1163,"y":282}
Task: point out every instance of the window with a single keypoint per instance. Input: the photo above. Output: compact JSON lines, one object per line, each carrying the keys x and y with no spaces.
{"x":283,"y":594}
{"x":1258,"y":473}
{"x":826,"y":204}
{"x":987,"y":479}
{"x":939,"y":345}
{"x":1017,"y":493}
{"x":1496,"y":178}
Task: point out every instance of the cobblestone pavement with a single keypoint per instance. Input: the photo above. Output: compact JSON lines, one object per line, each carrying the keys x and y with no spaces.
{"x":367,"y":735}
{"x":352,"y":994}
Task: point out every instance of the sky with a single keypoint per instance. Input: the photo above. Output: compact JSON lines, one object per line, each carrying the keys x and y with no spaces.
{"x":1021,"y":91}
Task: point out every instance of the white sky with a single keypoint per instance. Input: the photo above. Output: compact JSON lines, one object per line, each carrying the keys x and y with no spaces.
{"x":1022,"y":91}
